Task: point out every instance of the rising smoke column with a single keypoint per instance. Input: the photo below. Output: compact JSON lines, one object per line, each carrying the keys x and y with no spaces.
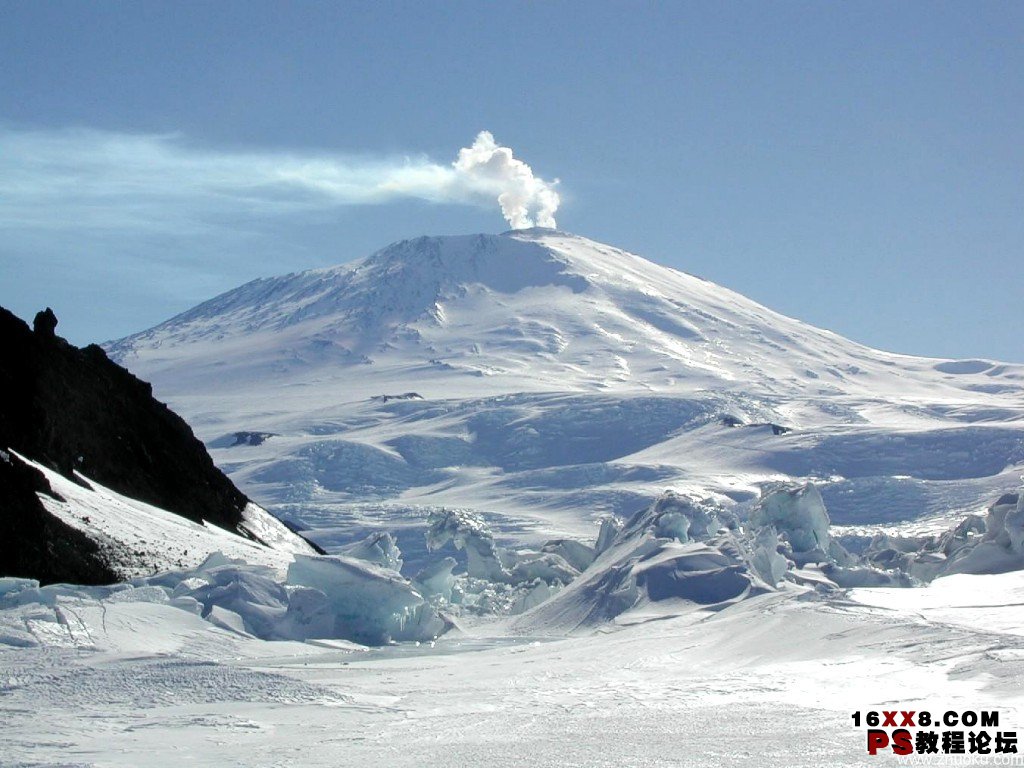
{"x":526,"y":200}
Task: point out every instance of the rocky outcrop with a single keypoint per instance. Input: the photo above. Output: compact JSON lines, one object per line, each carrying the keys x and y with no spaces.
{"x":73,"y":409}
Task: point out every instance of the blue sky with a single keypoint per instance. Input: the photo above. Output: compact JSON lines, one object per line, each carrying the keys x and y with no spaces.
{"x":856,"y":165}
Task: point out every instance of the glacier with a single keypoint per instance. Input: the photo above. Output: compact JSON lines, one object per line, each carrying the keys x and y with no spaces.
{"x":320,"y":598}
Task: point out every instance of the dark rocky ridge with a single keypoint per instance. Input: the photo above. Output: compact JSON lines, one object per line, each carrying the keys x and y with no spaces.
{"x":74,"y":409}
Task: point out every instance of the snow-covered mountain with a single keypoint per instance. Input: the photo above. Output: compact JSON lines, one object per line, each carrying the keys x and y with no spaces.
{"x":479,"y":397}
{"x":547,"y":380}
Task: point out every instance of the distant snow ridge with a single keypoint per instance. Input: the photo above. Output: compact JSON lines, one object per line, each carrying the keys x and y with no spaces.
{"x":530,"y":307}
{"x":558,"y":381}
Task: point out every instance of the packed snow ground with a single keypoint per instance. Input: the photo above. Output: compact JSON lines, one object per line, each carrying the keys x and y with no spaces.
{"x":772,"y":680}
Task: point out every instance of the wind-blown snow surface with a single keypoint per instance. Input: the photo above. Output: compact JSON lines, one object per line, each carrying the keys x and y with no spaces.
{"x":769,"y":681}
{"x":546,"y":380}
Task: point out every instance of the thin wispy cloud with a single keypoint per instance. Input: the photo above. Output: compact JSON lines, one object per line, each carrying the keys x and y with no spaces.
{"x":89,"y":179}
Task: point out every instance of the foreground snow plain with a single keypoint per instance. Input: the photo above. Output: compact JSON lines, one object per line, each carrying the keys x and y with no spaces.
{"x":770,"y":681}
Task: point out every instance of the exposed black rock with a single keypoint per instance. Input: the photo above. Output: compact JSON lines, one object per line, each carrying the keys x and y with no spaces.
{"x":45,"y":324}
{"x":251,"y":438}
{"x":734,"y":421}
{"x":73,"y":409}
{"x":403,"y":396}
{"x":777,"y":429}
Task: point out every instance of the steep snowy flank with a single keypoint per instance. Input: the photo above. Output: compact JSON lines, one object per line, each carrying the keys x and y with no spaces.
{"x":549,"y":380}
{"x":138,"y":539}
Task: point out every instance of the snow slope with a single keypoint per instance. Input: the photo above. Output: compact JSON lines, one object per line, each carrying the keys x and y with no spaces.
{"x":546,"y":380}
{"x":141,"y":539}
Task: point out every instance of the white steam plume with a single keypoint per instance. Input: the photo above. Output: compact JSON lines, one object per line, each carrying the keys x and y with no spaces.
{"x":98,"y":179}
{"x":482,"y":173}
{"x":525,"y":199}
